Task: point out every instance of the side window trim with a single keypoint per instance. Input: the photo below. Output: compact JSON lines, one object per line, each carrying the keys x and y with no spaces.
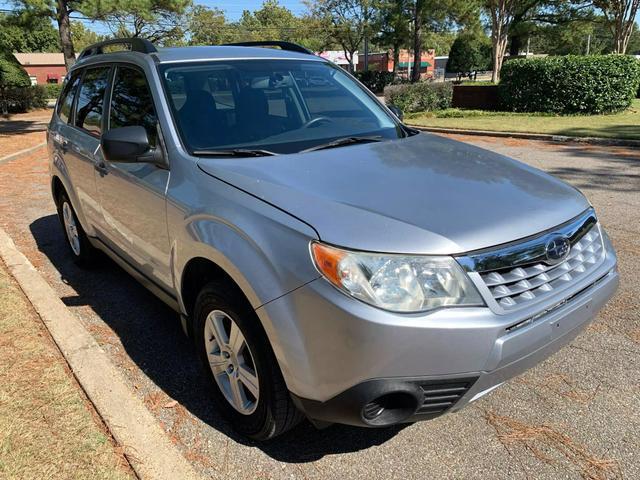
{"x":72,"y":114}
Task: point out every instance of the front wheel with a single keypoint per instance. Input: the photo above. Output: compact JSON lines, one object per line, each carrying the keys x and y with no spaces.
{"x":248,"y":385}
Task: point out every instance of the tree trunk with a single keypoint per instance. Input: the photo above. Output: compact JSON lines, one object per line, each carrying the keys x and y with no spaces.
{"x":417,"y":41}
{"x":64,"y":27}
{"x":499,"y":50}
{"x":396,"y":58}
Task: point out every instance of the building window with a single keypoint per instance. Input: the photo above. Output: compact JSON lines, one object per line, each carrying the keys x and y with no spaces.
{"x":34,"y":80}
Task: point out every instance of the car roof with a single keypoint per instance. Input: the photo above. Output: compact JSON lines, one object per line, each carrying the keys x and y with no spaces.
{"x":230,"y":52}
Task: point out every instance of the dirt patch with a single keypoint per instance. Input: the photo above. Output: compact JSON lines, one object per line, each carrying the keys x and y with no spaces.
{"x":38,"y":114}
{"x":12,"y":143}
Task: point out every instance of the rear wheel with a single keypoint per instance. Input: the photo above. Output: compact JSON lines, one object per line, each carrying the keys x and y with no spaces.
{"x":81,"y":249}
{"x":248,"y":386}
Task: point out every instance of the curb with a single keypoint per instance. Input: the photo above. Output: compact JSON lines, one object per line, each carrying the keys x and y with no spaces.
{"x":18,"y":154}
{"x":533,"y":136}
{"x":152,"y":455}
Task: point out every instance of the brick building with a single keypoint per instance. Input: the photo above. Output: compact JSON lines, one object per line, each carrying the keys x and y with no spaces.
{"x":43,"y":67}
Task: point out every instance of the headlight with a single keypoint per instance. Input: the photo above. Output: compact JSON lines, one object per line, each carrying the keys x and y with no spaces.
{"x":400,"y":283}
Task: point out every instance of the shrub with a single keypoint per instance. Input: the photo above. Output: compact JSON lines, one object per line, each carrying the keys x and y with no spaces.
{"x":52,"y":90}
{"x":420,"y":97}
{"x":21,"y":99}
{"x":375,"y":80}
{"x":571,"y":84}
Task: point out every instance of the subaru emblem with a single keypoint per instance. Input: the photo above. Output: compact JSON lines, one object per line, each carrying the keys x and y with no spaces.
{"x":557,"y":249}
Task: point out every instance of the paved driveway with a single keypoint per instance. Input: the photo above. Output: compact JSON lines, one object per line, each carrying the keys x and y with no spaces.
{"x":575,"y":416}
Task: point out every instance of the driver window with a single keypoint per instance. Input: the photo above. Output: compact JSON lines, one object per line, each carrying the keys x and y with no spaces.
{"x":132,"y":104}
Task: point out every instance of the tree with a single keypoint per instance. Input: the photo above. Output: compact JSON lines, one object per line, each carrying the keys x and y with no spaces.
{"x":271,"y":21}
{"x":502,"y":14}
{"x":207,"y":26}
{"x":438,"y":16}
{"x":12,"y":75}
{"x":160,"y":21}
{"x":26,"y":31}
{"x":349,"y":20}
{"x":392,"y":23}
{"x":469,"y":54}
{"x":621,"y":15}
{"x":82,"y":37}
{"x":61,"y":10}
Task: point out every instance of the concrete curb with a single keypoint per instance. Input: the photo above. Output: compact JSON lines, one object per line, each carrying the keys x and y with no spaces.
{"x":613,"y":142}
{"x":18,"y":154}
{"x":148,"y":449}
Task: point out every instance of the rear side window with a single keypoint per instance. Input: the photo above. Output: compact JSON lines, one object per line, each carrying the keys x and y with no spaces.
{"x":131,"y":102}
{"x":90,"y":104}
{"x":66,"y":98}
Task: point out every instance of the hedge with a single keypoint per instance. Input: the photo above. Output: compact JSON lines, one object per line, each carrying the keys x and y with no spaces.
{"x":375,"y":80}
{"x":52,"y":90}
{"x":420,"y":97}
{"x":570,"y":84}
{"x":21,"y":99}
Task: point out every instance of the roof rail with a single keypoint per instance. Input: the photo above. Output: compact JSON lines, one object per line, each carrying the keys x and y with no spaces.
{"x":141,"y":45}
{"x":289,"y":46}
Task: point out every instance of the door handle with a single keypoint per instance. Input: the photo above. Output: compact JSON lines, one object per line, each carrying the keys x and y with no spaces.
{"x":101,"y":168}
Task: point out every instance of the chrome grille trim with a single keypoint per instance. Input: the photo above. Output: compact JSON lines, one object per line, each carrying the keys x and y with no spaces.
{"x":526,"y":251}
{"x":521,"y":276}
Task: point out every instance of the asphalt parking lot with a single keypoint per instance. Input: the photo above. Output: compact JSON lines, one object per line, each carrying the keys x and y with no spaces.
{"x":575,"y":416}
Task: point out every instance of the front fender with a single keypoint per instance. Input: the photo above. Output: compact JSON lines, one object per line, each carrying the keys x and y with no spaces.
{"x":263,"y":249}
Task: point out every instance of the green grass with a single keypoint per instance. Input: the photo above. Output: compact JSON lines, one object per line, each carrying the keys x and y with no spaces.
{"x":623,"y":125}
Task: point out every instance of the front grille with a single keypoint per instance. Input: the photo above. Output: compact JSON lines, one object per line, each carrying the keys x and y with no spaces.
{"x":440,"y":396}
{"x":514,"y":287}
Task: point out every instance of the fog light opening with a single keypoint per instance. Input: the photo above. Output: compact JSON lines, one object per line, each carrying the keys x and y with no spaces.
{"x":389,"y":409}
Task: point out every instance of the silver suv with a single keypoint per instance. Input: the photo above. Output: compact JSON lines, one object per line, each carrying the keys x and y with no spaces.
{"x":327,"y":260}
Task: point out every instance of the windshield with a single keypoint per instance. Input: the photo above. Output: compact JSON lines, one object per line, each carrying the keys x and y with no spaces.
{"x":280,"y":106}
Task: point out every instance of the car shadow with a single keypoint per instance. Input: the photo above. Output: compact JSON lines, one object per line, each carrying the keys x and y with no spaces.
{"x":151,"y":335}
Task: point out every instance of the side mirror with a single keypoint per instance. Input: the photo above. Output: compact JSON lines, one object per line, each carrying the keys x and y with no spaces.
{"x":396,"y":111}
{"x":129,"y":145}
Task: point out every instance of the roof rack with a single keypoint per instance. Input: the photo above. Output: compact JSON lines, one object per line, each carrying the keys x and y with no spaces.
{"x":141,"y":45}
{"x":289,"y":46}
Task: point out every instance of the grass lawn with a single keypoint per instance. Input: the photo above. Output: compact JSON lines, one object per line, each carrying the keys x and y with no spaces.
{"x":624,"y":125}
{"x":47,"y":428}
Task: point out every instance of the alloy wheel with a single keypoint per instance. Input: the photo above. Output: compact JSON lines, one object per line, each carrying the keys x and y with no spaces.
{"x":231,"y":362}
{"x":71,"y":228}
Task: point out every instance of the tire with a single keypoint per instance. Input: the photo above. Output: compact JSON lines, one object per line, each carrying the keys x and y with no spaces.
{"x":260,"y":413}
{"x":82,"y":251}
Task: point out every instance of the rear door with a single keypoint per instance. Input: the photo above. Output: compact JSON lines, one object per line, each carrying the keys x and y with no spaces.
{"x":132,"y":195}
{"x":82,"y":137}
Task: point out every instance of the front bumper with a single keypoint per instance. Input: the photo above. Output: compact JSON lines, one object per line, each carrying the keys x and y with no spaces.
{"x":338,"y":355}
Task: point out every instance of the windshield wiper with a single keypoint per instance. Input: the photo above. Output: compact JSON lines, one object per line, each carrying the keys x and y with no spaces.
{"x":344,"y":141}
{"x":234,"y":152}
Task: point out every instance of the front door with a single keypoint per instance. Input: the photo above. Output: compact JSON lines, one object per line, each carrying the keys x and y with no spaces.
{"x":132,"y":195}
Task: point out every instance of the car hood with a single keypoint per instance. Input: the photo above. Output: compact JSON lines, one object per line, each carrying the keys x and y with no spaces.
{"x":422,"y":194}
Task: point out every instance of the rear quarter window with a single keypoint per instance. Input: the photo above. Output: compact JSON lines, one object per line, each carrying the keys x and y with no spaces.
{"x":65,"y":103}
